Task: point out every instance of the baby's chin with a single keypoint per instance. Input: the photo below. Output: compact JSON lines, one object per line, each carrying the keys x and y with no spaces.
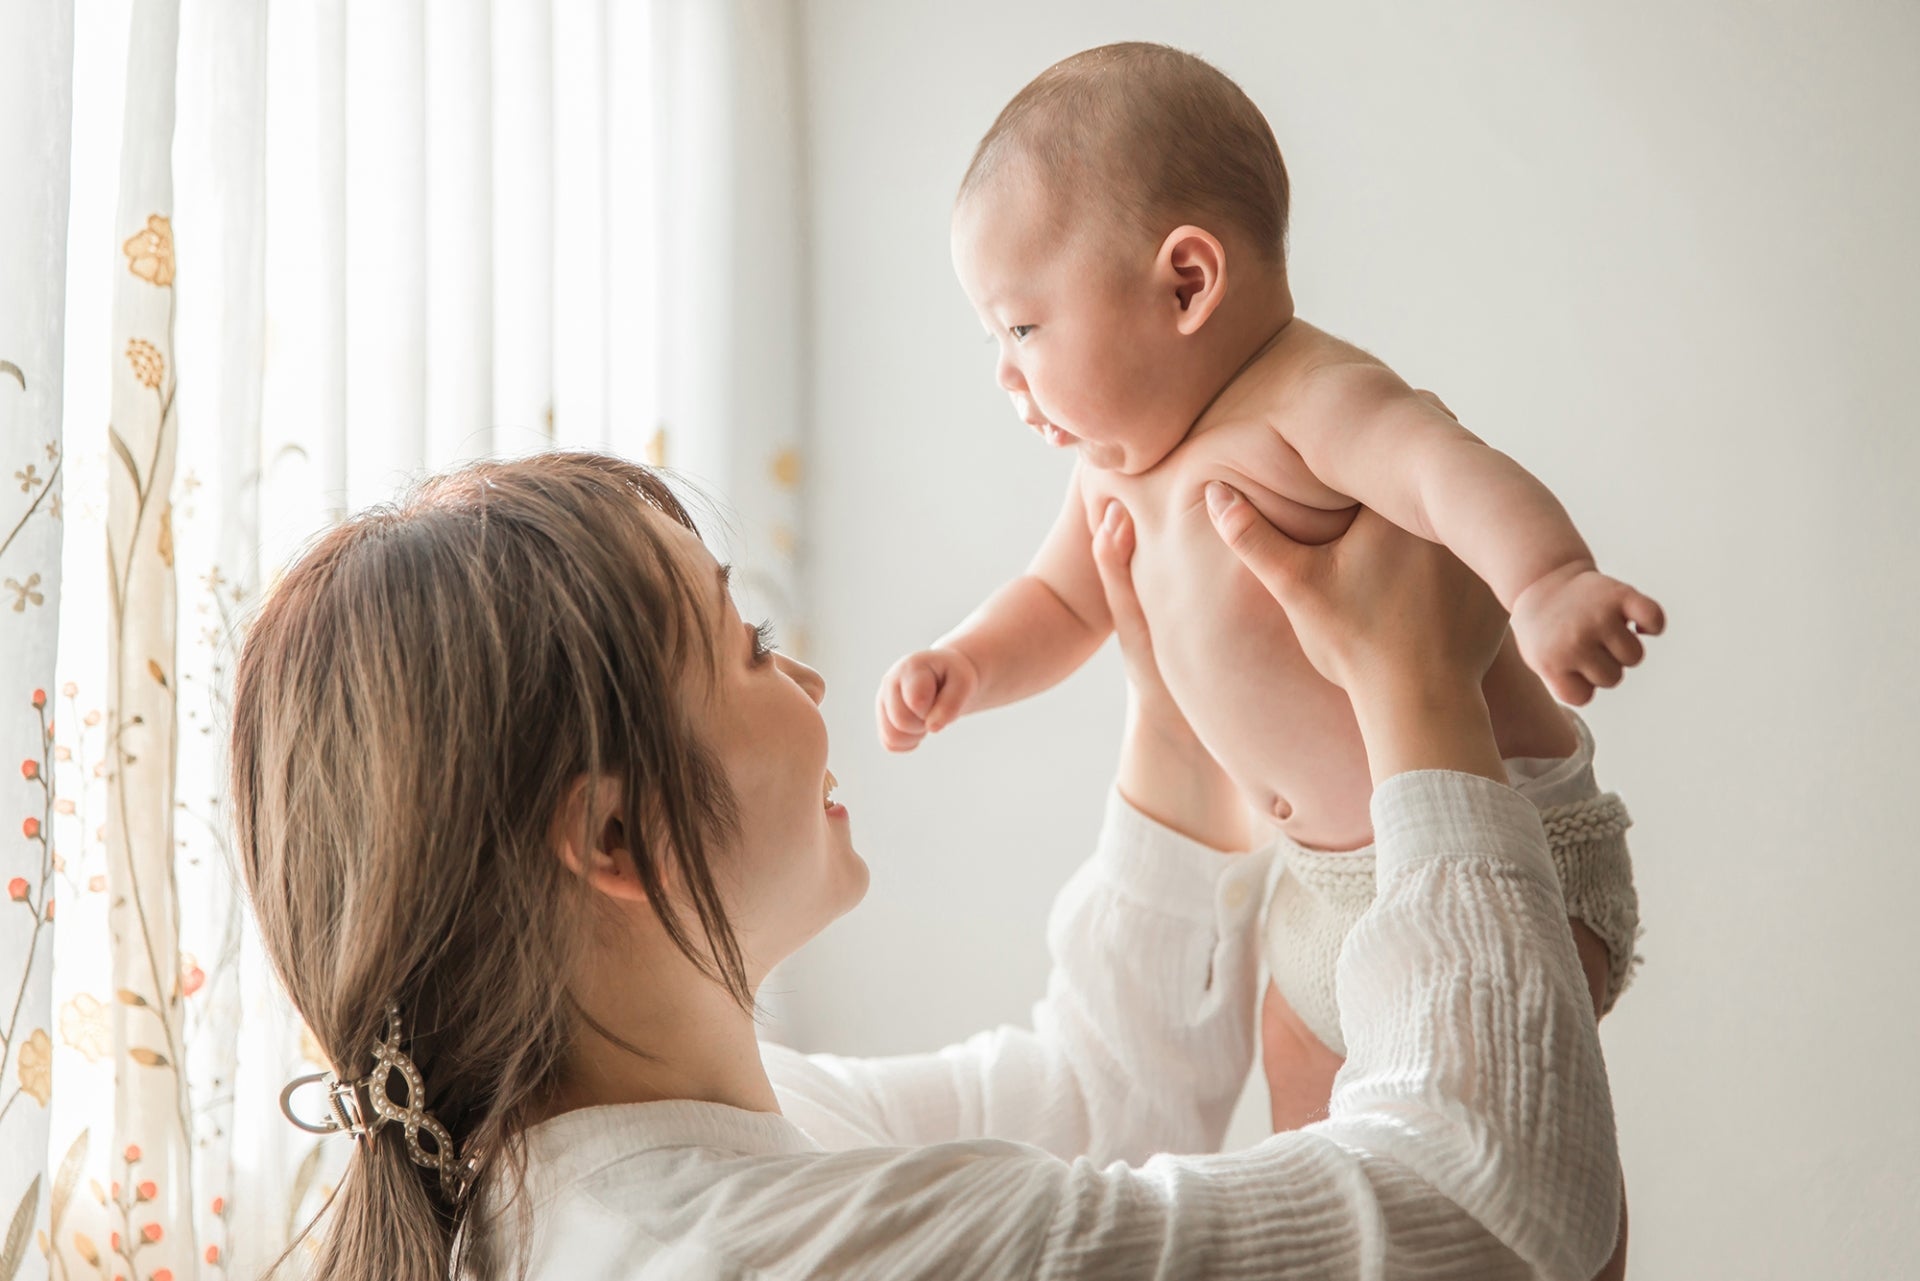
{"x":1103,"y":455}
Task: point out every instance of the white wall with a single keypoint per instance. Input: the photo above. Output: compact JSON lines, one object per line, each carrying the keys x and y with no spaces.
{"x":1661,"y":252}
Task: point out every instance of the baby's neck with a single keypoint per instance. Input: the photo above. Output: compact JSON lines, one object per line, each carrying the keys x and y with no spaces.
{"x":1250,"y":330}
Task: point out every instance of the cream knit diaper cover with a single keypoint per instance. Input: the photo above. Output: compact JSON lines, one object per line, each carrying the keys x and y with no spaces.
{"x":1318,"y":896}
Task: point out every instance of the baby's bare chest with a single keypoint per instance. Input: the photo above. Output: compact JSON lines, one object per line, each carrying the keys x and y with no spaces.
{"x":1175,"y":536}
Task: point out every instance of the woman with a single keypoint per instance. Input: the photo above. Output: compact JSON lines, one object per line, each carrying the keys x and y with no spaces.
{"x":527,"y":811}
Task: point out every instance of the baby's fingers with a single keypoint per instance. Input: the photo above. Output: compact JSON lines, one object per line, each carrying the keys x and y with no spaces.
{"x":900,"y":729}
{"x":1571,"y":688}
{"x":951,"y":701}
{"x":1600,"y":668}
{"x":919,"y":687}
{"x":1644,"y":612}
{"x":1624,"y":644}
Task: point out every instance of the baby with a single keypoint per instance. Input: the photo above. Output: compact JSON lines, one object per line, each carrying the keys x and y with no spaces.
{"x":1121,"y":233}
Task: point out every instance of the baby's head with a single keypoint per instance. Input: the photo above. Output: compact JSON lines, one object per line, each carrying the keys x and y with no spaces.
{"x":1094,"y":231}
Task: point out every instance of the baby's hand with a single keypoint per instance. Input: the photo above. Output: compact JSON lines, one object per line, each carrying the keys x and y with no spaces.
{"x":924,"y":693}
{"x":1579,"y":629}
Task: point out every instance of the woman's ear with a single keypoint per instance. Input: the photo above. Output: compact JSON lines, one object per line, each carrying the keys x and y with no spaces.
{"x":593,"y":840}
{"x":1192,"y":267}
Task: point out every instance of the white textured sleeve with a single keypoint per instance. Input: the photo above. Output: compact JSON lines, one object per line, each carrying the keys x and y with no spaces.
{"x":1144,"y":1038}
{"x":1471,"y":1132}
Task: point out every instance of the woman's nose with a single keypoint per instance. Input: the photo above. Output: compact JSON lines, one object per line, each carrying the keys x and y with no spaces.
{"x":805,"y":677}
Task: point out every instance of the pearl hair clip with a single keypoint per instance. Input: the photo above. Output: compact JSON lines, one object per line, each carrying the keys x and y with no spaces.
{"x":350,"y":1104}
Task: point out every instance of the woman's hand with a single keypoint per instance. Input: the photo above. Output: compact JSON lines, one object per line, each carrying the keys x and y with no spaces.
{"x":1165,"y":773}
{"x":1394,"y":620}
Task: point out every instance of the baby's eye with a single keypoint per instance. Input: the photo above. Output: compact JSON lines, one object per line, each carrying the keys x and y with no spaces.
{"x":763,"y":643}
{"x":1020,"y":332}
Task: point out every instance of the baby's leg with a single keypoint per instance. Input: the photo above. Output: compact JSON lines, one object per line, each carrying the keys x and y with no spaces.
{"x":1299,"y":1068}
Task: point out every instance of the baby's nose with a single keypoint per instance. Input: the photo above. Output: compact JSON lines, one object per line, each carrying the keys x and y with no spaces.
{"x":1007,"y":374}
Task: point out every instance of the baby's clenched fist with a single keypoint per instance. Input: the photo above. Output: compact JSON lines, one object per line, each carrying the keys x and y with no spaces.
{"x":923,"y":693}
{"x":1580,"y":630}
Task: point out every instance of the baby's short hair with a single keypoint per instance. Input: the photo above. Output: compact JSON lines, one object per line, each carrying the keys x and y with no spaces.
{"x":1163,"y":133}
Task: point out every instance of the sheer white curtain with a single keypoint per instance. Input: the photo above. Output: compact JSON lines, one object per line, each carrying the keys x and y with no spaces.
{"x":316,"y":247}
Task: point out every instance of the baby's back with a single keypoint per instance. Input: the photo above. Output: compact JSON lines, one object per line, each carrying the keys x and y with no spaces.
{"x":1225,"y":648}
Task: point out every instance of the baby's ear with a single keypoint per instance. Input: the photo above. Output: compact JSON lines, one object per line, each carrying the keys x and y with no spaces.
{"x":1193,"y":267}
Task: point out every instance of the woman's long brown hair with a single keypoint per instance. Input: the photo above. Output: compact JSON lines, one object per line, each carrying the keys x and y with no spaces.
{"x":414,"y":701}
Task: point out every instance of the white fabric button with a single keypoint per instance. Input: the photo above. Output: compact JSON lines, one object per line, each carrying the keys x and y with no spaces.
{"x":1235,"y":898}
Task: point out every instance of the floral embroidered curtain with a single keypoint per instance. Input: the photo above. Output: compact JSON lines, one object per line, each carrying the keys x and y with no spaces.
{"x":261,"y":261}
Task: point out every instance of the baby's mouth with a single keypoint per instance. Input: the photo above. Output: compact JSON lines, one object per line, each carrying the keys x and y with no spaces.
{"x":1030,"y":415}
{"x":826,"y":791}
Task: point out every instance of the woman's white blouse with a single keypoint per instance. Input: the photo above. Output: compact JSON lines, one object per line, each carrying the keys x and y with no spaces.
{"x":1470,"y":1134}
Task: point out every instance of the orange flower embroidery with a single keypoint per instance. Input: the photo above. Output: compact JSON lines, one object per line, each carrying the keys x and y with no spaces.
{"x":192,"y":977}
{"x":149,"y":366}
{"x":83,"y":1023}
{"x":36,"y":1067}
{"x":150,"y":251}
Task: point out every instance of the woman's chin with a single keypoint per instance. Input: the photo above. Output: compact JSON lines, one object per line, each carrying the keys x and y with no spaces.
{"x":859,"y":877}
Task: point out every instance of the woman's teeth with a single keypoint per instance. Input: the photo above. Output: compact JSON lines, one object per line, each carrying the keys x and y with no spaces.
{"x":826,"y":792}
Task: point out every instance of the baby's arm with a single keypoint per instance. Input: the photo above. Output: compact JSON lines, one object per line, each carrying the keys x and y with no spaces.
{"x":1364,"y":432}
{"x":1027,"y":637}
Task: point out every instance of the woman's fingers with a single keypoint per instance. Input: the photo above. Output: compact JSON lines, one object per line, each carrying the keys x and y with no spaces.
{"x":1113,"y":557}
{"x":1113,"y":546}
{"x":1377,"y":598}
{"x":1274,"y":558}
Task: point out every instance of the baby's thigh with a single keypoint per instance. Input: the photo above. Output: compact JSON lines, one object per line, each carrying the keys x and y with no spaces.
{"x":1298,"y":1067}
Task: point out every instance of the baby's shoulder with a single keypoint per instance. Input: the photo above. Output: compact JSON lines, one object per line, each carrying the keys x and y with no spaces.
{"x":1297,"y":373}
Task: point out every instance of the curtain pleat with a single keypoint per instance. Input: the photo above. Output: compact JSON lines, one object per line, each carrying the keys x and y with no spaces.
{"x":153,"y":1132}
{"x":36,"y":101}
{"x":386,"y":246}
{"x":523,"y":252}
{"x":459,"y":240}
{"x":579,"y":224}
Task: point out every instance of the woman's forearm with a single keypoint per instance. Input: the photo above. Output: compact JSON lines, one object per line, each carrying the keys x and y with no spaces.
{"x":1416,"y":721}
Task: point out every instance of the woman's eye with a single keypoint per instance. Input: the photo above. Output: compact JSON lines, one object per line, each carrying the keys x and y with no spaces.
{"x":763,"y":643}
{"x":1020,"y":332}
